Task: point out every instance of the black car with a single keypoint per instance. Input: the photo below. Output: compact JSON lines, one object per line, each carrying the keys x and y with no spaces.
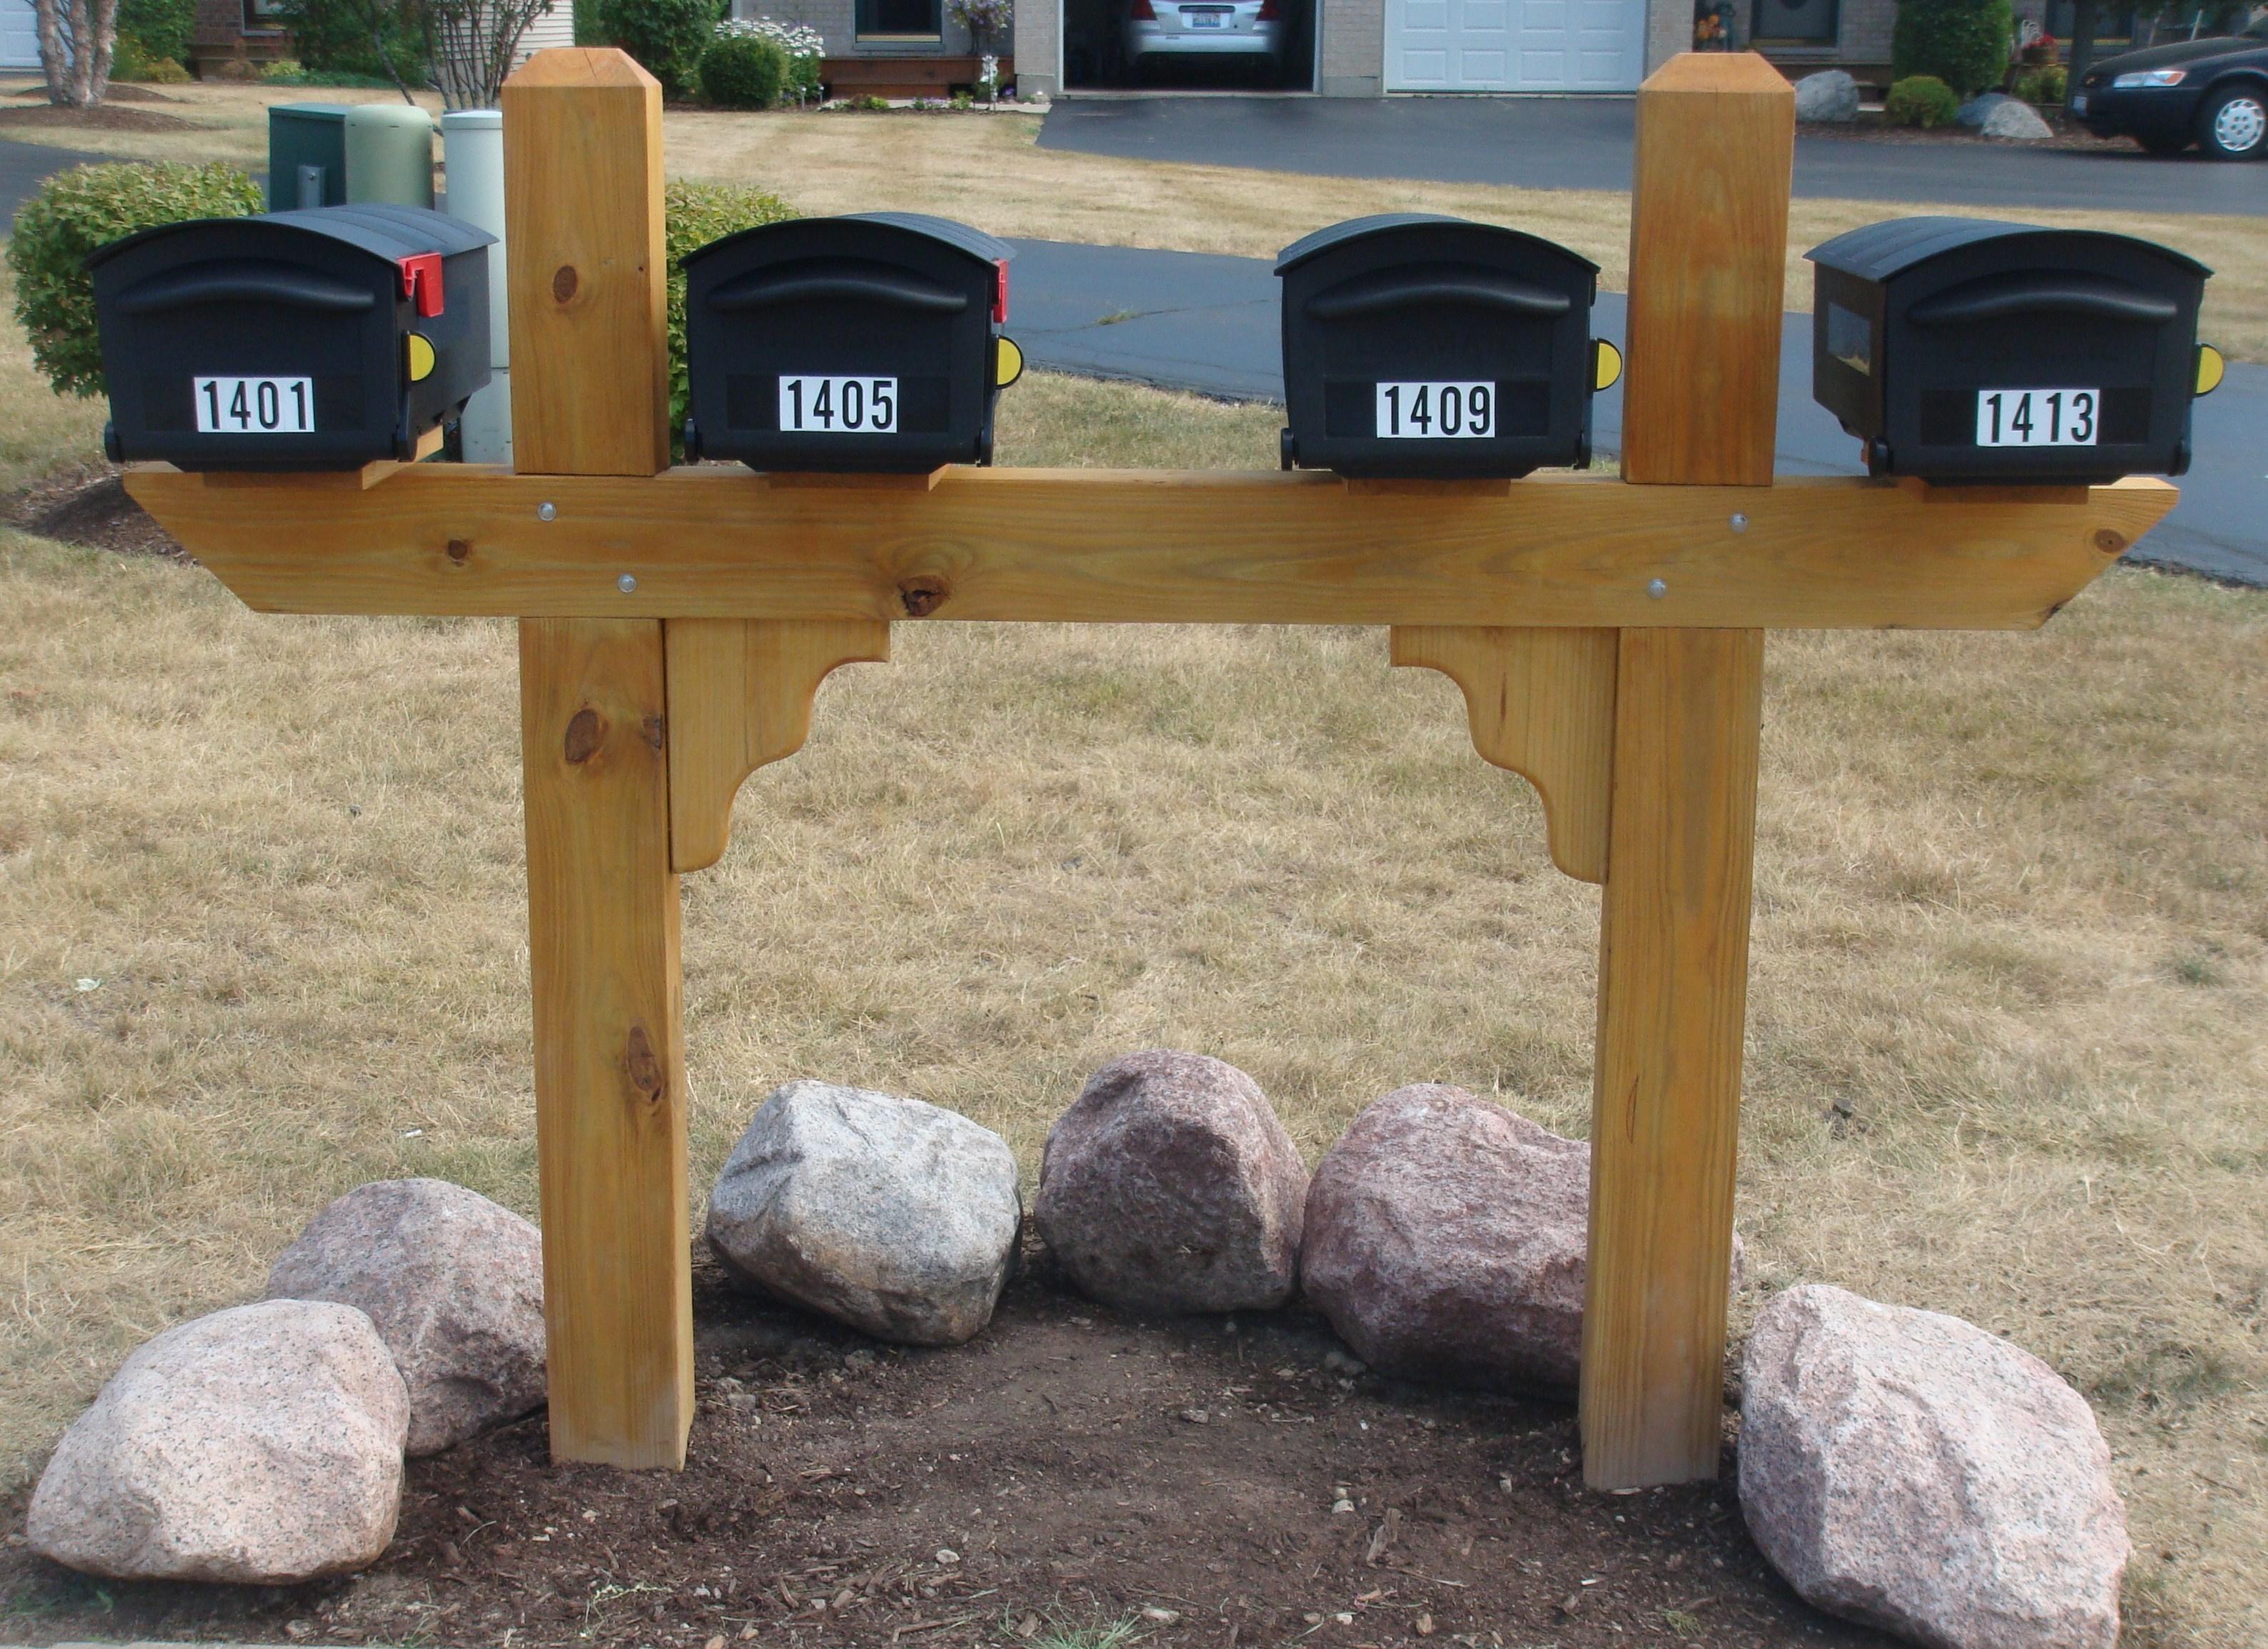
{"x":2209,"y":92}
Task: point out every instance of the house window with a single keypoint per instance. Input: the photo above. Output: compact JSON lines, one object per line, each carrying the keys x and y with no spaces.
{"x":260,"y":16}
{"x":1795,"y":22}
{"x":901,"y":19}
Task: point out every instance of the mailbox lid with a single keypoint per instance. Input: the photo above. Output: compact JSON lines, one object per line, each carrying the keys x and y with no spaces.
{"x":388,"y":232}
{"x":1407,"y":231}
{"x":1882,"y":252}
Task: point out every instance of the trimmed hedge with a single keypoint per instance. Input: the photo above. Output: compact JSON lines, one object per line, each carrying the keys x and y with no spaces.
{"x":694,"y":215}
{"x":1921,"y":100}
{"x":743,"y":72}
{"x":77,"y":211}
{"x":1962,"y":42}
{"x":156,"y":29}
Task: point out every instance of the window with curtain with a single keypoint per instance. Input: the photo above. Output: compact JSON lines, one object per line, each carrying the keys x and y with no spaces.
{"x":901,"y":19}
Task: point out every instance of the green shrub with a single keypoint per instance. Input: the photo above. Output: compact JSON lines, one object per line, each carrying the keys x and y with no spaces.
{"x":130,"y":61}
{"x":741,"y":72}
{"x":1962,"y":42}
{"x":158,"y":29}
{"x":334,"y":39}
{"x":87,"y":207}
{"x":667,"y":36}
{"x":1920,"y":100}
{"x":2044,"y":85}
{"x":695,"y":214}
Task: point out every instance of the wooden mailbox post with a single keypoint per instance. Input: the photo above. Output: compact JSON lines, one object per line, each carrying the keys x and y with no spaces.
{"x":1607,"y":635}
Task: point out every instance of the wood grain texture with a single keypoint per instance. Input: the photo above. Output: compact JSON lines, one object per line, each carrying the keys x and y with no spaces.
{"x":583,"y":215}
{"x":1672,"y":994}
{"x":610,"y":1093}
{"x":1541,"y":702}
{"x":1716,"y":146}
{"x":1157,"y":546}
{"x":739,"y":696}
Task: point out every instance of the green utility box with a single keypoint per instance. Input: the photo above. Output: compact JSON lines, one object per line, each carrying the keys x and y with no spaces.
{"x":339,"y":154}
{"x":307,"y":156}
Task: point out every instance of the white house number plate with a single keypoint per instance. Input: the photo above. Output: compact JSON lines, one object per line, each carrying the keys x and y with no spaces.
{"x":254,"y":406}
{"x":2037,"y":418}
{"x":838,"y":406}
{"x":1430,"y":412}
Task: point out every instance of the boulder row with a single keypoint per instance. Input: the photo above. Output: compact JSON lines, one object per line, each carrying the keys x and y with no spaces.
{"x":1910,"y":1471}
{"x":454,"y":1282}
{"x":1829,"y":95}
{"x":259,"y":1445}
{"x":887,"y":1213}
{"x":1170,"y":1186}
{"x":2015,"y":122}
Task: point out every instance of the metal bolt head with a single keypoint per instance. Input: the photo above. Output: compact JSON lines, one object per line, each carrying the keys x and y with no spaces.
{"x":1656,"y":588}
{"x":625,"y":584}
{"x":1739,"y":522}
{"x":547,"y":511}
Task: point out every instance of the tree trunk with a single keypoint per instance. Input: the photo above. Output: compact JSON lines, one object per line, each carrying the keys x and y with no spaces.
{"x":75,"y":38}
{"x":2083,"y":25}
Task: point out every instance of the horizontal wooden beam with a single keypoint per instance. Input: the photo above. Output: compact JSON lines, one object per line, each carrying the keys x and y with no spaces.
{"x":1156,"y":547}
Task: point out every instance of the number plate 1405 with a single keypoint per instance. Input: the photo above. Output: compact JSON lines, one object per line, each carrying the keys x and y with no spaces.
{"x":839,"y":406}
{"x":1431,"y":412}
{"x":254,"y":406}
{"x":2037,"y":418}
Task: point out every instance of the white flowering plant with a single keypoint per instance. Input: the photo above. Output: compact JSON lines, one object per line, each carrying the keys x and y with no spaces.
{"x":804,"y":45}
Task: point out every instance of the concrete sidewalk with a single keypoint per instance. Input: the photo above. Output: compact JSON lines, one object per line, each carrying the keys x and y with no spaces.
{"x":1209,"y":324}
{"x":1585,"y":142}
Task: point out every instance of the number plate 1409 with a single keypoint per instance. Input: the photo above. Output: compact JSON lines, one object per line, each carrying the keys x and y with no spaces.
{"x":2037,"y":418}
{"x":254,"y":406}
{"x":1430,"y":412}
{"x":839,"y":406}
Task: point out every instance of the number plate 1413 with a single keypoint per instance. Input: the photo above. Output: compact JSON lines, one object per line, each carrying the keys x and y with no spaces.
{"x":839,"y":406}
{"x":254,"y":406}
{"x":2037,"y":418}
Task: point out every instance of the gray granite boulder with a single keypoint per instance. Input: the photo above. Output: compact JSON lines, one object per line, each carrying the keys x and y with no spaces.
{"x":1978,"y":109}
{"x":455,"y":1284}
{"x":1910,"y":1471}
{"x":1170,"y":1186}
{"x":887,"y":1213}
{"x":259,"y":1445}
{"x":2016,"y":123}
{"x":1829,"y":95}
{"x":1445,"y":1241}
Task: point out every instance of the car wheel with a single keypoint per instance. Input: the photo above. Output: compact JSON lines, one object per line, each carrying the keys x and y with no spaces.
{"x":2234,"y":124}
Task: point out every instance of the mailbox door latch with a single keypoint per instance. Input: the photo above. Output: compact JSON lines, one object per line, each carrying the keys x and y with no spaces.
{"x":421,"y":281}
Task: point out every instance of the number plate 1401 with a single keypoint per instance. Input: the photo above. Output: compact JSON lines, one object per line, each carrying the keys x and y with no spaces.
{"x":839,"y":406}
{"x":254,"y":406}
{"x":2037,"y":418}
{"x":1431,"y":412}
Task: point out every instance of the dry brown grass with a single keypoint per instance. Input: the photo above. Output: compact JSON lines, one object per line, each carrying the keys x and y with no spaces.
{"x":2011,"y":917}
{"x":988,"y":170}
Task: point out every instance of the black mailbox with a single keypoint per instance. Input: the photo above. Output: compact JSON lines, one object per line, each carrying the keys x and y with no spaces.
{"x":1424,"y":346}
{"x":1960,"y":349}
{"x":867,"y":343}
{"x":321,"y":339}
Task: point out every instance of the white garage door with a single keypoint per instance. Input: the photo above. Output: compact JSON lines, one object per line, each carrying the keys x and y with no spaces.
{"x":19,"y":35}
{"x":1514,"y":45}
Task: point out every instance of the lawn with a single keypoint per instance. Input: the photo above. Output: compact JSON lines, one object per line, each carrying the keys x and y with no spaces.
{"x":262,"y":931}
{"x":988,"y":171}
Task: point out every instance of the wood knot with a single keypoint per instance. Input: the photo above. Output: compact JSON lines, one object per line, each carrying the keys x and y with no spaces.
{"x":923,"y":595}
{"x":460,"y":551}
{"x":2109,"y":542}
{"x":565,"y":282}
{"x":642,"y":1068}
{"x":584,"y":735}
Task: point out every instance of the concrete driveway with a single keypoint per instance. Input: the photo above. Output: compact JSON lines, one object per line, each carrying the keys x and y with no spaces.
{"x":1584,"y":142}
{"x":1210,"y":324}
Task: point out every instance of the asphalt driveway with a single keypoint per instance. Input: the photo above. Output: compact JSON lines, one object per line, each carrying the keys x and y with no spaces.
{"x":1097,"y":312}
{"x":1585,"y":142}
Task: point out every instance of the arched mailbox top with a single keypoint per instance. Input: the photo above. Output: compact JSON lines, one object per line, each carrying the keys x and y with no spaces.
{"x":1884,"y":251}
{"x":890,"y":227}
{"x":1390,"y":227}
{"x":389,"y":233}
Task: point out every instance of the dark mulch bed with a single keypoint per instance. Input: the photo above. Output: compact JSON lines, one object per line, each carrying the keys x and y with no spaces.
{"x":101,"y":117}
{"x":1068,"y":1468}
{"x":120,"y":91}
{"x":1870,"y":129}
{"x":88,"y":504}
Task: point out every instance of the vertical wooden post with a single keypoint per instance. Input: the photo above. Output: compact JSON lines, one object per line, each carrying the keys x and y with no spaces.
{"x":590,"y":396}
{"x":1708,"y":238}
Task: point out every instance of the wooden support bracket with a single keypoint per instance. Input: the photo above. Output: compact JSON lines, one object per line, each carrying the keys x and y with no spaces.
{"x":739,"y":696}
{"x":1542,"y":702}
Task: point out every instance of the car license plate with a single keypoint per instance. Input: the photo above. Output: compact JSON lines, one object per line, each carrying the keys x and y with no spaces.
{"x":2079,"y":104}
{"x":2037,"y":418}
{"x":1433,"y":412}
{"x":1204,"y":19}
{"x":254,"y":406}
{"x":838,"y":406}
